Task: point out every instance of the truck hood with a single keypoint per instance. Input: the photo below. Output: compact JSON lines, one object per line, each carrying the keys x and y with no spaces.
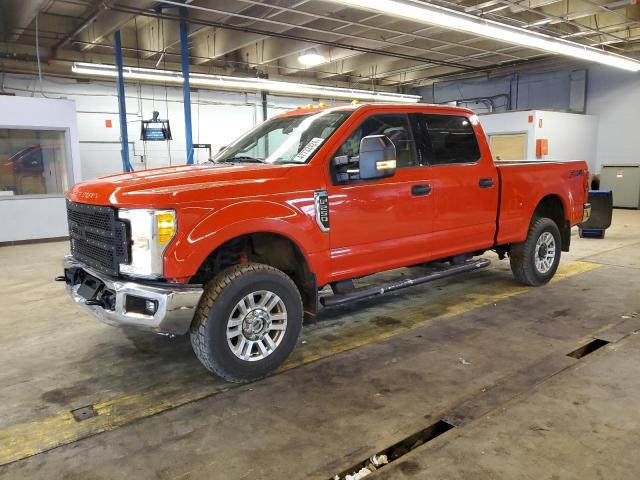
{"x":167,"y":186}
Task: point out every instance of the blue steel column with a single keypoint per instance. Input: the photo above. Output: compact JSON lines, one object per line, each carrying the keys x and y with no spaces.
{"x":122,"y":107}
{"x":186,"y":94}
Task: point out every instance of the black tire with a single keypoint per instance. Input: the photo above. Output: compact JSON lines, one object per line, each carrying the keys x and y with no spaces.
{"x":219,"y":302}
{"x":523,"y":255}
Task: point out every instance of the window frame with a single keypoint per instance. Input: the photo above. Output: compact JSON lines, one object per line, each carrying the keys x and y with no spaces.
{"x":69,"y":173}
{"x":424,"y":137}
{"x":413,"y":139}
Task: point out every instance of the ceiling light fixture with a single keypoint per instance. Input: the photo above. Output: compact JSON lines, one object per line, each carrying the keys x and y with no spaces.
{"x":243,"y":84}
{"x":452,"y":19}
{"x":311,"y":58}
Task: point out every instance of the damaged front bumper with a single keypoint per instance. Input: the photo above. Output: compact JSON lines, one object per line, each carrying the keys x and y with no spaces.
{"x":154,"y":306}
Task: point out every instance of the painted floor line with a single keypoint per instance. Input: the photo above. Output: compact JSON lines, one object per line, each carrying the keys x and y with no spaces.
{"x":26,"y":439}
{"x":603,"y":252}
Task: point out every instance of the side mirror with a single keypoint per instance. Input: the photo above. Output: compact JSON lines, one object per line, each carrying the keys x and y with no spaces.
{"x":377,"y":157}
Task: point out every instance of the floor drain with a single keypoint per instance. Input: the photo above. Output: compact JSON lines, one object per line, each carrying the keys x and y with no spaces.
{"x":84,"y":413}
{"x":588,"y":348}
{"x":397,"y":450}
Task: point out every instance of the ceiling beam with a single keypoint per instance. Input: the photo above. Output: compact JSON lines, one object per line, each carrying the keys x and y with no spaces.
{"x":106,"y":24}
{"x":298,"y":37}
{"x":18,"y":15}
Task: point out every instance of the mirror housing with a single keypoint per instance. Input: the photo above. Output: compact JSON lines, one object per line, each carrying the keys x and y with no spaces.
{"x":377,"y":157}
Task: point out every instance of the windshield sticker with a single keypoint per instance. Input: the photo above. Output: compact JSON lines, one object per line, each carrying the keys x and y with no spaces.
{"x":308,"y":150}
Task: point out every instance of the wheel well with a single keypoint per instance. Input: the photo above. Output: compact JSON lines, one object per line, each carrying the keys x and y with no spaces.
{"x":551,"y":207}
{"x":270,"y":249}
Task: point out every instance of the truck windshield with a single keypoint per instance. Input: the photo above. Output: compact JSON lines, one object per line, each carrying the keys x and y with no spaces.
{"x":291,"y":139}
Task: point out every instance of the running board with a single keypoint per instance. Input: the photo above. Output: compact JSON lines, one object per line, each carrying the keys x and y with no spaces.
{"x":374,"y":290}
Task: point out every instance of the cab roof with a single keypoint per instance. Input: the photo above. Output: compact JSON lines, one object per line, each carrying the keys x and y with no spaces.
{"x":311,"y":108}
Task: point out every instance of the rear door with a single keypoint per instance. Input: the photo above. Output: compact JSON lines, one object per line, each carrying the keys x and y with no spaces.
{"x":464,"y":183}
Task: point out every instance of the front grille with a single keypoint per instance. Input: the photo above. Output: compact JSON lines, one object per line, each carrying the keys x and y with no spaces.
{"x":98,"y":238}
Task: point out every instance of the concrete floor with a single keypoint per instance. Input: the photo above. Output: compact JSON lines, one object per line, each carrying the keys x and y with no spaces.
{"x":486,"y":355}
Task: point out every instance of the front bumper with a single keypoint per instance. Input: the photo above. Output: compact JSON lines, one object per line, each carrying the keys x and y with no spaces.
{"x":117,"y":302}
{"x":586,"y":212}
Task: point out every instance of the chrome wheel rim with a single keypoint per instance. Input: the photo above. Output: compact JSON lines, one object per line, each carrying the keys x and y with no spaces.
{"x":256,"y":326}
{"x":545,"y":252}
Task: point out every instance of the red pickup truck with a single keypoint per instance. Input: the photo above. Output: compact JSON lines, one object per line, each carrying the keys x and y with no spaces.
{"x":235,"y":251}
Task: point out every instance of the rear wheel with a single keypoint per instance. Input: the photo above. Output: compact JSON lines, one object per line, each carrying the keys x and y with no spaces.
{"x":535,"y":261}
{"x":247,"y":323}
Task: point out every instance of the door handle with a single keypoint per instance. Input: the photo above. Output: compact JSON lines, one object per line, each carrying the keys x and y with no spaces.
{"x":418,"y":190}
{"x":486,"y":182}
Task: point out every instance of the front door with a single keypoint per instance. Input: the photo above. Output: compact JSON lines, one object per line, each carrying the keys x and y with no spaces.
{"x":383,"y":223}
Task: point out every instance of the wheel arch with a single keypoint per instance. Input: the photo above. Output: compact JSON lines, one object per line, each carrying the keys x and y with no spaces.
{"x":270,"y":247}
{"x":553,"y":206}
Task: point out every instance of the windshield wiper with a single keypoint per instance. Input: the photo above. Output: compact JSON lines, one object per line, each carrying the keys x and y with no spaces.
{"x":242,"y":159}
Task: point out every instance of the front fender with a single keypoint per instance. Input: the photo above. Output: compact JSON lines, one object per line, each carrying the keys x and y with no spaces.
{"x":293,"y":219}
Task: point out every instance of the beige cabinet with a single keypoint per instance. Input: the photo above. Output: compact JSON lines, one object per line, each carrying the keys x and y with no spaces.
{"x":512,"y":146}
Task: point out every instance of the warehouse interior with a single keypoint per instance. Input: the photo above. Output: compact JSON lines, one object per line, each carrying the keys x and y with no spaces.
{"x":458,"y":372}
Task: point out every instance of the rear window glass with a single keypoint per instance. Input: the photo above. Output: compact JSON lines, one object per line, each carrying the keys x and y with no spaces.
{"x":449,"y":139}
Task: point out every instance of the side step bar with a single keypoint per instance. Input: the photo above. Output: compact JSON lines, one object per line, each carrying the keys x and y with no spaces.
{"x":374,"y":290}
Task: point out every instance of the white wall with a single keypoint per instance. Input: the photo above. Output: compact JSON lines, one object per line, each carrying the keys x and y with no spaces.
{"x":511,"y":122}
{"x":39,"y":216}
{"x":33,"y":218}
{"x":571,"y":136}
{"x":614,"y":96}
{"x":218,"y":118}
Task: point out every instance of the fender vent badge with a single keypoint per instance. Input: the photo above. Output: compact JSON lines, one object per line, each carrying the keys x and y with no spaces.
{"x":321,"y":205}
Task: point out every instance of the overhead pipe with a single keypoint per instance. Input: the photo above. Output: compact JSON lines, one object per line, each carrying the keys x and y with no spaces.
{"x":21,"y":14}
{"x":103,"y":6}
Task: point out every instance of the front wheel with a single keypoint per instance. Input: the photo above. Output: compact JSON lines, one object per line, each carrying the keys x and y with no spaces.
{"x":247,"y":323}
{"x":535,"y":261}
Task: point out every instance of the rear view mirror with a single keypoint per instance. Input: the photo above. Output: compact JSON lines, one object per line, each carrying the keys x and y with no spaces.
{"x":377,"y":157}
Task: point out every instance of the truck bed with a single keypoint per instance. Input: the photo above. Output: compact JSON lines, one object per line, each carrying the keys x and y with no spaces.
{"x":523,"y":184}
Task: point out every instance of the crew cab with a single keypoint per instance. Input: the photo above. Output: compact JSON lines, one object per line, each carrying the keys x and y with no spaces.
{"x":234,"y":252}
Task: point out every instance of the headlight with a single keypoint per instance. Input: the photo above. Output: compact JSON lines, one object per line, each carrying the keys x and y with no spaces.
{"x":151,"y":232}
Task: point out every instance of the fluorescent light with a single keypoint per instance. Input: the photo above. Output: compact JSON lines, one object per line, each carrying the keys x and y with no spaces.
{"x":243,"y":84}
{"x":129,"y":72}
{"x":311,"y":57}
{"x":451,"y":19}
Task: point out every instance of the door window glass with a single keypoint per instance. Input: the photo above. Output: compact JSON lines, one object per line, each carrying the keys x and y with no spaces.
{"x":447,"y":139}
{"x":395,"y":127}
